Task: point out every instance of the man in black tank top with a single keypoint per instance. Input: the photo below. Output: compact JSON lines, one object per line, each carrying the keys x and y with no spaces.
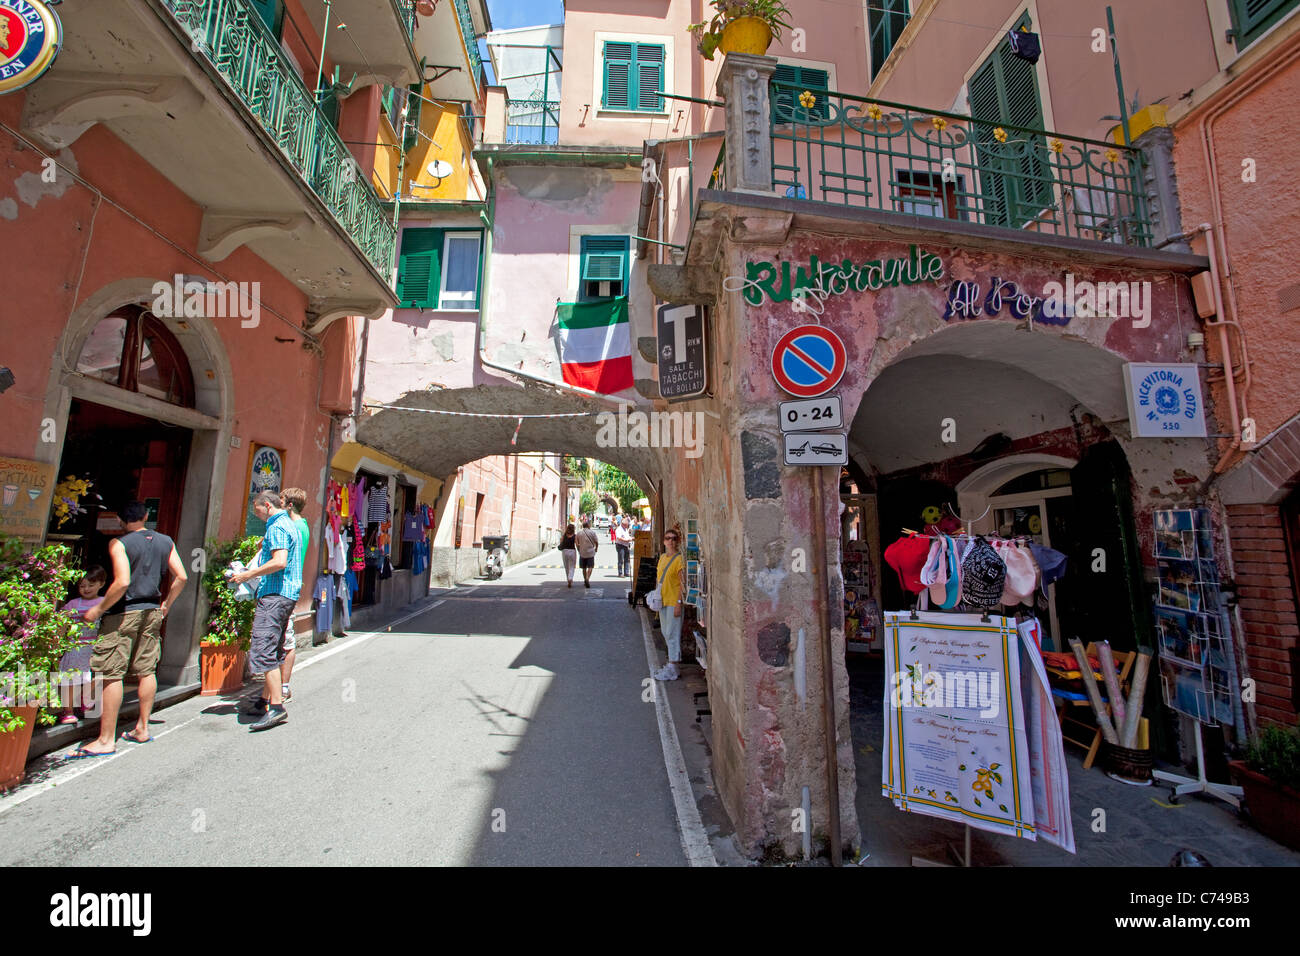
{"x":133,"y":609}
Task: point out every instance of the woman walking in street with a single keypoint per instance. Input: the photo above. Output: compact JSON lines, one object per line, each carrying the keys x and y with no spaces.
{"x":569,"y":551}
{"x":669,"y":574}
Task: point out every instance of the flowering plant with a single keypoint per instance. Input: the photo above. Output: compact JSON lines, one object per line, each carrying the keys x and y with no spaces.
{"x":67,"y":498}
{"x":34,"y":633}
{"x":229,"y":621}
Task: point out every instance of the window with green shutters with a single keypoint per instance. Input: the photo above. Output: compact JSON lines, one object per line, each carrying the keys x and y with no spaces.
{"x":420,"y":267}
{"x":1015,"y":178}
{"x":790,"y":81}
{"x":886,"y":20}
{"x":272,"y":14}
{"x":602,"y":271}
{"x":633,"y":76}
{"x":1250,"y":18}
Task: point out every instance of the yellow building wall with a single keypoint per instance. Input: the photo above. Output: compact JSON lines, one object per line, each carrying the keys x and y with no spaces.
{"x":348,"y":459}
{"x":444,"y":137}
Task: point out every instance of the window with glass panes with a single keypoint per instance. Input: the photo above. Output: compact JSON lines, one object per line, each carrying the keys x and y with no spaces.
{"x":886,"y":20}
{"x":440,"y":268}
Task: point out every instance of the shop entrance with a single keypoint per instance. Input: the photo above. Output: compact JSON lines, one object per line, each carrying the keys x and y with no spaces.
{"x":125,"y":457}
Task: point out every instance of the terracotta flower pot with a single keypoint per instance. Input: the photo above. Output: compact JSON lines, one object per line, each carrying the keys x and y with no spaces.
{"x":221,"y":668}
{"x":749,"y":35}
{"x":1274,"y":807}
{"x":13,"y":749}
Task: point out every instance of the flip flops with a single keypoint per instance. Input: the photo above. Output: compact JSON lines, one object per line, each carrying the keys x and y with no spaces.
{"x":127,"y":736}
{"x":81,"y":753}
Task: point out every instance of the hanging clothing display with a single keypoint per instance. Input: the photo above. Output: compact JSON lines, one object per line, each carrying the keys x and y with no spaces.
{"x":377,"y":503}
{"x":412,"y":527}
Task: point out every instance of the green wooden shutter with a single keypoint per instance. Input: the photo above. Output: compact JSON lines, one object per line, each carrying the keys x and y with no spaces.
{"x":272,"y":14}
{"x":603,"y":259}
{"x":793,"y":80}
{"x":418,"y":273}
{"x":618,"y":76}
{"x":1016,"y":177}
{"x":649,"y":76}
{"x":1250,"y":18}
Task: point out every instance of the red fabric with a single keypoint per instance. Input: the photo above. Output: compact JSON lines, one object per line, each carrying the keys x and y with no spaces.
{"x":608,"y":377}
{"x":907,"y":556}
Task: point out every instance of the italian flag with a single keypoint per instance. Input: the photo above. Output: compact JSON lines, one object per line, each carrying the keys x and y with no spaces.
{"x":596,"y":345}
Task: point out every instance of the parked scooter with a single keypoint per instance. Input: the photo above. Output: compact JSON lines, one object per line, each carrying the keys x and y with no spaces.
{"x":497,"y":547}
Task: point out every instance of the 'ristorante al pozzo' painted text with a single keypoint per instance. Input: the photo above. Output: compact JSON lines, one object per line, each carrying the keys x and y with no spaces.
{"x":812,"y":285}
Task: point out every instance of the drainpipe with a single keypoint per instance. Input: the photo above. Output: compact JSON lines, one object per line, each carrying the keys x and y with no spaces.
{"x":1281,"y":60}
{"x":1228,"y":373}
{"x":489,"y":220}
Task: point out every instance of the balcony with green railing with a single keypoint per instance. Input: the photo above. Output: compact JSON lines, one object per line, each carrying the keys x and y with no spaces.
{"x":233,"y":37}
{"x":832,"y":147}
{"x":466,"y":20}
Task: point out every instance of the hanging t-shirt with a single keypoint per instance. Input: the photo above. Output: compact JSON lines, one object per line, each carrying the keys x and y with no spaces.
{"x":377,"y":503}
{"x":411,"y":527}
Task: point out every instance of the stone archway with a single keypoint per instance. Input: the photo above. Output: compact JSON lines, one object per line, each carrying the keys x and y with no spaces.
{"x":210,"y":421}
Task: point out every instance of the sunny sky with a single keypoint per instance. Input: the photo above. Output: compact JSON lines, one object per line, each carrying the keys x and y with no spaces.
{"x":508,"y":14}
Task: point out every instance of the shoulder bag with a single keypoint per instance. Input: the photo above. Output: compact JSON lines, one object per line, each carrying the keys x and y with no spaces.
{"x":655,"y":599}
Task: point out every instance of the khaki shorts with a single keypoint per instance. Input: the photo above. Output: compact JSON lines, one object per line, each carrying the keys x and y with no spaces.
{"x":134,"y":639}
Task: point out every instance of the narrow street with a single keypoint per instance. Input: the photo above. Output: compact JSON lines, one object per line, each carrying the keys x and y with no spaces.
{"x":504,"y":724}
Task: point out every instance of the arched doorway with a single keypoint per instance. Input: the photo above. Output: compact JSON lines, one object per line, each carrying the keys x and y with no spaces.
{"x":142,"y":408}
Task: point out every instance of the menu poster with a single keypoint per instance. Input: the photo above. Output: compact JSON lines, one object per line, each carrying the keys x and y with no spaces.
{"x":25,"y":501}
{"x":955,"y":732}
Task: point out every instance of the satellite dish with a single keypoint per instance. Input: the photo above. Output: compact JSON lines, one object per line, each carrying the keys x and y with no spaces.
{"x":440,"y":169}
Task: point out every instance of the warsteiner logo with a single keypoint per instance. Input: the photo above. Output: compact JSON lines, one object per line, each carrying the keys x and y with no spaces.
{"x":30,"y":37}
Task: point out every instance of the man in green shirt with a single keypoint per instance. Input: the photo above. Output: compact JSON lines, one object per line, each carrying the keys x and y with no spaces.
{"x":294,"y":500}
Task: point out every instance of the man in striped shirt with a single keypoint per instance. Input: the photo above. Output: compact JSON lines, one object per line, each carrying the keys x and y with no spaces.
{"x":280,"y":567}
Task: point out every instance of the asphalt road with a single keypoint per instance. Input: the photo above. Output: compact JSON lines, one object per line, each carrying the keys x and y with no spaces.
{"x":505,"y":725}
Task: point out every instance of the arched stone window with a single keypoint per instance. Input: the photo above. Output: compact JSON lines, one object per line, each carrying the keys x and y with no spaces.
{"x":133,"y":350}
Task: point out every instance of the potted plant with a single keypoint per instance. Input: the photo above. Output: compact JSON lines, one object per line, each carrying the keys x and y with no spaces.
{"x":34,"y":634}
{"x":230,"y":622}
{"x":1270,"y":777}
{"x":741,"y":26}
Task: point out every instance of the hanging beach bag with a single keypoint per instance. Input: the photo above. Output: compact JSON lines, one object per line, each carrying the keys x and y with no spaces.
{"x":655,"y":599}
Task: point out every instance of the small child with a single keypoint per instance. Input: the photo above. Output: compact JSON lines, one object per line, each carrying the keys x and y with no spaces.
{"x":89,"y":588}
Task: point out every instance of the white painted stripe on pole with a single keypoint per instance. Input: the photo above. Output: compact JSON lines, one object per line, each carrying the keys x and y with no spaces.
{"x":695,"y":841}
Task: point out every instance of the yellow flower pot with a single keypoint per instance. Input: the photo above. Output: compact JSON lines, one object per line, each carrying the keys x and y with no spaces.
{"x":749,"y":35}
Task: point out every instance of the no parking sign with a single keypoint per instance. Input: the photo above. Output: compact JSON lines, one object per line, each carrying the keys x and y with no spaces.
{"x":809,"y":360}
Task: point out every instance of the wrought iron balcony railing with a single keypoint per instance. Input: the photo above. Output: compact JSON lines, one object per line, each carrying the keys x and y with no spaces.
{"x":842,"y":149}
{"x":231,"y":34}
{"x":471,"y":41}
{"x":534,"y":121}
